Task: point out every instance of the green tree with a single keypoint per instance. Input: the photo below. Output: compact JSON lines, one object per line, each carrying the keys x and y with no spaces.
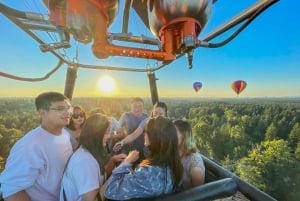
{"x":294,"y":136}
{"x":271,"y":167}
{"x":297,"y":151}
{"x":271,"y":133}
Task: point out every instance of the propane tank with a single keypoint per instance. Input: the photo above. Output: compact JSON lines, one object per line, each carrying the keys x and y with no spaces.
{"x":161,"y":13}
{"x":177,"y":24}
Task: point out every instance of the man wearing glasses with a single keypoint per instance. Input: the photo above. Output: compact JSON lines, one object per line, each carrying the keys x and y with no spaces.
{"x":36,"y":162}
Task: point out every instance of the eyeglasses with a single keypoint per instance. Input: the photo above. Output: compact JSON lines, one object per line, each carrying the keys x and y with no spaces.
{"x":62,"y":108}
{"x":76,"y":116}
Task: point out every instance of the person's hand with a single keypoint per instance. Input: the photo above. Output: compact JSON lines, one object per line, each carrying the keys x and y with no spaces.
{"x":118,"y":146}
{"x":119,"y":158}
{"x":132,"y":156}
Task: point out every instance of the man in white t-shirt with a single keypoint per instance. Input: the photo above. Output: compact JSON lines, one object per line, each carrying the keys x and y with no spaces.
{"x":36,"y":162}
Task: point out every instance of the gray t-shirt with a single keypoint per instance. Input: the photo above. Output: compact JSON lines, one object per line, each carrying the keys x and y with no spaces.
{"x":189,"y":162}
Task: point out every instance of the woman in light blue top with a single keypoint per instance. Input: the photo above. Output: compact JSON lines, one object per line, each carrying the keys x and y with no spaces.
{"x":158,"y":174}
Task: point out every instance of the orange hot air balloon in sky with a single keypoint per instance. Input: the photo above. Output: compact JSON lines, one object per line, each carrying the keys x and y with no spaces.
{"x":238,"y":86}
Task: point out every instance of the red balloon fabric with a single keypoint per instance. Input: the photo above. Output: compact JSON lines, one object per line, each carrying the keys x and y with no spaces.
{"x":238,"y":86}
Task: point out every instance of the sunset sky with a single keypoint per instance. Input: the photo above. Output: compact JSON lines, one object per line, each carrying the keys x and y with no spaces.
{"x":266,"y":55}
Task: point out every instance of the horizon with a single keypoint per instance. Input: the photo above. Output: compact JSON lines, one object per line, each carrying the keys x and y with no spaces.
{"x":173,"y":97}
{"x":260,"y":55}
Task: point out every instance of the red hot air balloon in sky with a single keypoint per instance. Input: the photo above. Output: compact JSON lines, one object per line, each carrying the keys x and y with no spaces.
{"x":197,"y":86}
{"x":238,"y":86}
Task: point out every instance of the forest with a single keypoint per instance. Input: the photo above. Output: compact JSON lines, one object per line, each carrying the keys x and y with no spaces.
{"x":258,"y":139}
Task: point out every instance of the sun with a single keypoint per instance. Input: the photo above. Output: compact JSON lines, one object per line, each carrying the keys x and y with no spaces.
{"x":106,"y":84}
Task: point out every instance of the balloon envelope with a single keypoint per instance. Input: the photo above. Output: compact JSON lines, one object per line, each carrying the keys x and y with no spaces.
{"x":197,"y":86}
{"x":238,"y":86}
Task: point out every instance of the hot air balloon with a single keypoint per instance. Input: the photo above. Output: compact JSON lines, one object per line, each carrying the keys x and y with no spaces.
{"x":197,"y":86}
{"x":238,"y":86}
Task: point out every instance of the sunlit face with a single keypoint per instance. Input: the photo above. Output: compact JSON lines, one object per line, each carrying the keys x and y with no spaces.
{"x":137,"y":108}
{"x":78,"y":117}
{"x":159,"y":111}
{"x":58,"y":114}
{"x":106,"y":84}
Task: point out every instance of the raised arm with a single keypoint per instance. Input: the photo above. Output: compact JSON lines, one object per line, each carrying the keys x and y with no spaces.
{"x":128,"y":139}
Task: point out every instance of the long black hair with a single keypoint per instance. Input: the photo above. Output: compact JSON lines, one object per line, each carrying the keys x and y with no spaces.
{"x":91,"y":137}
{"x":163,"y":146}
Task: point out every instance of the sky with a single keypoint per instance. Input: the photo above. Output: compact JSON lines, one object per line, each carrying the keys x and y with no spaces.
{"x":266,"y":55}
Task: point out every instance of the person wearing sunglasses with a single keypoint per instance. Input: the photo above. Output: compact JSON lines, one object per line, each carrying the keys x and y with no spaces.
{"x":74,"y":127}
{"x":36,"y":162}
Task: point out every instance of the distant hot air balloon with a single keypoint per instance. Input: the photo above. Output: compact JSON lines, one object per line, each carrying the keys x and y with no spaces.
{"x":197,"y":86}
{"x":238,"y":86}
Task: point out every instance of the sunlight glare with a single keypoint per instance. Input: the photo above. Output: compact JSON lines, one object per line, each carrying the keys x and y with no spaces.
{"x":106,"y":84}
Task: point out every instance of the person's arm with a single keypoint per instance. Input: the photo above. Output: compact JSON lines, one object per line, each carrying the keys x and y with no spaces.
{"x":197,"y":171}
{"x":197,"y":176}
{"x":132,"y":136}
{"x":111,"y":164}
{"x":21,"y":195}
{"x":128,"y":139}
{"x":90,"y":196}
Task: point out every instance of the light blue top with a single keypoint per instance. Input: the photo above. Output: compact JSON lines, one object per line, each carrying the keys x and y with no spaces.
{"x":144,"y":182}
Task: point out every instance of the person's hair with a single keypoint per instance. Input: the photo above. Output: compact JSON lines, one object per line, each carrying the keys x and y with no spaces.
{"x":44,"y":100}
{"x":136,"y":99}
{"x":163,"y":146}
{"x":97,"y":110}
{"x":187,"y":145}
{"x":91,"y":137}
{"x":161,"y":105}
{"x":71,"y":124}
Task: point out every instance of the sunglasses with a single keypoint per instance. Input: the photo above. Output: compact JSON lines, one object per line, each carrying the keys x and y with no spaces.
{"x":76,"y":116}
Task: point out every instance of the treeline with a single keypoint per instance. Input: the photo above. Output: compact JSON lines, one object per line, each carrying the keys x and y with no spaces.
{"x":260,"y":142}
{"x":258,"y":139}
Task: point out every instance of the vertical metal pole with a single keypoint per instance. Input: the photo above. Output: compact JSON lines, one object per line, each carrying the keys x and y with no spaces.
{"x":70,"y":81}
{"x":127,"y":6}
{"x":153,"y":88}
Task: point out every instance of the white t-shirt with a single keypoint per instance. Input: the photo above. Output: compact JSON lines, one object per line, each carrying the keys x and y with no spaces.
{"x":36,"y":164}
{"x":81,"y":176}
